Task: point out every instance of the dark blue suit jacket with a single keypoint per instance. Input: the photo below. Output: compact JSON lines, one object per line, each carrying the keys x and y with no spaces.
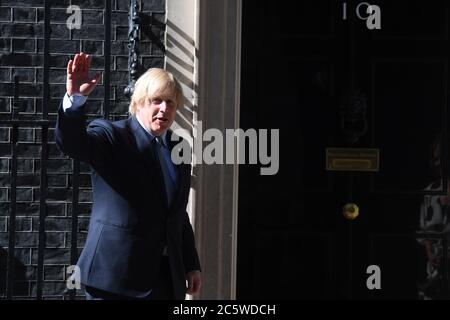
{"x":130,"y":221}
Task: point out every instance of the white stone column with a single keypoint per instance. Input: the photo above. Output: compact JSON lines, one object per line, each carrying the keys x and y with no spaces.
{"x":203,"y":52}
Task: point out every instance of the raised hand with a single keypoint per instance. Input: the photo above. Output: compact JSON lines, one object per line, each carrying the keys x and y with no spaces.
{"x":78,"y":80}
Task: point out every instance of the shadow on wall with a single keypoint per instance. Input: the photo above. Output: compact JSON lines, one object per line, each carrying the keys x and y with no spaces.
{"x":19,"y":274}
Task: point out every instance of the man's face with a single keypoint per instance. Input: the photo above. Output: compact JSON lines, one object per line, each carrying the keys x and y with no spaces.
{"x":157,"y":114}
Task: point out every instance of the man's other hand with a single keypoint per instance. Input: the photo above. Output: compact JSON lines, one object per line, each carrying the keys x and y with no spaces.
{"x":194,"y":281}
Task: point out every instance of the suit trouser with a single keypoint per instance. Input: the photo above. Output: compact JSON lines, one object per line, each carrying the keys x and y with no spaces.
{"x":163,"y":289}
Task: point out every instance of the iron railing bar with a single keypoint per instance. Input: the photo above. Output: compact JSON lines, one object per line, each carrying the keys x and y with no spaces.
{"x":74,"y":237}
{"x":44,"y":152}
{"x":12,"y":215}
{"x":42,"y":212}
{"x":15,"y":105}
{"x":46,"y":75}
{"x":13,"y":207}
{"x":107,"y":54}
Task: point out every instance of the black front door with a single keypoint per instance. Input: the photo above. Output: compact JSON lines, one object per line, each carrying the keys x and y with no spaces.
{"x":328,"y":74}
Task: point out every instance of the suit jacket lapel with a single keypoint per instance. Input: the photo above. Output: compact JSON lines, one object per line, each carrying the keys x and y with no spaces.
{"x":147,"y":152}
{"x":183,"y":172}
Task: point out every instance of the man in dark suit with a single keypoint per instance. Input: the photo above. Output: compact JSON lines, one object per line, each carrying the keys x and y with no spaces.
{"x":140,"y":243}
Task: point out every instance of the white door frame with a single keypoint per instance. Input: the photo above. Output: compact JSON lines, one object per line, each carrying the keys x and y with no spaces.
{"x":203,"y":50}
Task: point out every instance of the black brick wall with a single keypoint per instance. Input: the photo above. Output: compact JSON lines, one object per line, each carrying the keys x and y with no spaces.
{"x":21,"y":54}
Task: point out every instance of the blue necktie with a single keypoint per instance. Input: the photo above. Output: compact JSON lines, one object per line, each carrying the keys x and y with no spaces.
{"x":167,"y":169}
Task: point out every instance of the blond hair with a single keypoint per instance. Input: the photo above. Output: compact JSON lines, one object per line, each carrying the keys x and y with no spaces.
{"x":156,"y":82}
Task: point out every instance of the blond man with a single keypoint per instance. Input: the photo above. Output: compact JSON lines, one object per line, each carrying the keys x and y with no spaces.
{"x":140,"y":243}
